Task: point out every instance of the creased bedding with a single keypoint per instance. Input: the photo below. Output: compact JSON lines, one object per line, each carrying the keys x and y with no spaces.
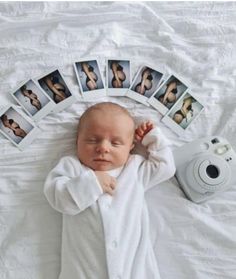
{"x":193,"y":39}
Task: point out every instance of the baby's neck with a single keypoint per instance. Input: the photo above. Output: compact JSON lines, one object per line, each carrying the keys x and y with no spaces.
{"x":115,"y":172}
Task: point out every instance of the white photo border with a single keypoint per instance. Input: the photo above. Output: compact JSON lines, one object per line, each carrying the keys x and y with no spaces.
{"x":136,"y":96}
{"x":90,"y":94}
{"x":25,"y":142}
{"x":169,"y":122}
{"x":117,"y":91}
{"x":44,"y":110}
{"x":65,"y":103}
{"x":157,"y":104}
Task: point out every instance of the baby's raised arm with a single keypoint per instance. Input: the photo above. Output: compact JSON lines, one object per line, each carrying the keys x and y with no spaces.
{"x":142,"y":130}
{"x":159,"y":166}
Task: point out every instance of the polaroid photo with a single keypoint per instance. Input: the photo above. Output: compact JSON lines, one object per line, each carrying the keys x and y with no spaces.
{"x":54,"y":85}
{"x":167,"y":94}
{"x":144,"y":84}
{"x":181,"y":115}
{"x":118,"y":76}
{"x":90,"y":80}
{"x":17,"y":127}
{"x":33,"y":100}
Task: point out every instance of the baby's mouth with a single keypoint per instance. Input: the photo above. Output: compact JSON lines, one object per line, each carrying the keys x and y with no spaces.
{"x":101,"y":160}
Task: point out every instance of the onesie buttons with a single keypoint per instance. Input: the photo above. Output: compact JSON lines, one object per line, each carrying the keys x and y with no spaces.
{"x":105,"y":201}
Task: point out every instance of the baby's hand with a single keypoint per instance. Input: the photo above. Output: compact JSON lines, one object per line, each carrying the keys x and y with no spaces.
{"x":107,"y":182}
{"x":142,"y":130}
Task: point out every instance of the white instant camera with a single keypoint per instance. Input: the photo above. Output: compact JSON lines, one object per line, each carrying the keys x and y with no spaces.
{"x":205,"y":167}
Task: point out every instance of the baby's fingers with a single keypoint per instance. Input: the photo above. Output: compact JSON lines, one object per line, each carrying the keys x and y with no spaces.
{"x":113,"y":183}
{"x":149,"y":126}
{"x":144,"y":126}
{"x":110,"y":187}
{"x":109,"y":191}
{"x":138,"y":138}
{"x":139,"y":131}
{"x":138,"y":134}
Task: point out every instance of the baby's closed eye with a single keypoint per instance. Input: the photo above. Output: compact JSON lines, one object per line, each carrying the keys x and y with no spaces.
{"x":91,"y":140}
{"x":116,"y":143}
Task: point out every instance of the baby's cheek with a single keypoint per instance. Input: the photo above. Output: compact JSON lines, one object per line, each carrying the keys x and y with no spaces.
{"x":89,"y":149}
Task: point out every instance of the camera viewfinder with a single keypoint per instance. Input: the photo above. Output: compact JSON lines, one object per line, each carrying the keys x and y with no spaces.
{"x":214,"y":141}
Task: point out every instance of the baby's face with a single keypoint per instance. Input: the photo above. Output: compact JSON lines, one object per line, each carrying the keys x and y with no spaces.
{"x":105,"y":140}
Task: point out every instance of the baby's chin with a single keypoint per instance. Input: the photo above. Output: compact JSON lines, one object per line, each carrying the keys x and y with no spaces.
{"x":102,"y":167}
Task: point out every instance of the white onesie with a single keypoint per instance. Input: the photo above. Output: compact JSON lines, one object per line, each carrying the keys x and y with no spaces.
{"x":108,"y":236}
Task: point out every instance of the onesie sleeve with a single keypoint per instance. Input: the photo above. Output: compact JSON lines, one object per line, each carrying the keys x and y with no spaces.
{"x":159,"y":166}
{"x":70,"y":187}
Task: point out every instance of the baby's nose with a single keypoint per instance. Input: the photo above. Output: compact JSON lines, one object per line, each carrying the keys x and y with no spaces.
{"x":103,"y":147}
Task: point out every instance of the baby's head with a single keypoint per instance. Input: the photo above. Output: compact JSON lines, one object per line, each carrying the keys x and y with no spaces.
{"x":105,"y":136}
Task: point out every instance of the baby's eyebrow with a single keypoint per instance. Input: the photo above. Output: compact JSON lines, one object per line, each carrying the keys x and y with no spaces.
{"x":93,"y":136}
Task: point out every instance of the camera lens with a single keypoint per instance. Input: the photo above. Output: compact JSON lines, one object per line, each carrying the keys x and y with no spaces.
{"x":212,"y":171}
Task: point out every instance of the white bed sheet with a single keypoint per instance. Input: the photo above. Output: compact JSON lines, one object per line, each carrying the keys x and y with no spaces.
{"x":197,"y":41}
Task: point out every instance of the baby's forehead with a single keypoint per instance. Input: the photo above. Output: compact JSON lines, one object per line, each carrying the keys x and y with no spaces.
{"x":108,"y":113}
{"x":106,"y":109}
{"x":112,"y":115}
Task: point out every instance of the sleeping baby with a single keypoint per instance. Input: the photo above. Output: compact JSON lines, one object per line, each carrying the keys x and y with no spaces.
{"x":100,"y":193}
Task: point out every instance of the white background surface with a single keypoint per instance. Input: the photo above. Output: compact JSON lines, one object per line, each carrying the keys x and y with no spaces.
{"x":196,"y":41}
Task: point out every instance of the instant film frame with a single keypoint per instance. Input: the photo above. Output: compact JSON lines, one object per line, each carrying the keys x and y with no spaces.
{"x":157,"y":99}
{"x":186,"y":109}
{"x":90,"y":79}
{"x":33,"y":99}
{"x":54,"y":85}
{"x":17,"y":127}
{"x":118,"y":76}
{"x":145,"y":84}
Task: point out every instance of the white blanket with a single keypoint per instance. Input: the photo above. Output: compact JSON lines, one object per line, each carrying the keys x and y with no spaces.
{"x":194,"y":40}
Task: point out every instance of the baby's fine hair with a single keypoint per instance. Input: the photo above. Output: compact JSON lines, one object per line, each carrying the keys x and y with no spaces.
{"x":104,"y":106}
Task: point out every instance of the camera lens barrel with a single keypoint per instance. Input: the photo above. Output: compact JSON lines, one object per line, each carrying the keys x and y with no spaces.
{"x":212,"y":171}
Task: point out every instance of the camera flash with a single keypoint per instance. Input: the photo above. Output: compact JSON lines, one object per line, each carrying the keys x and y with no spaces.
{"x":221,"y":150}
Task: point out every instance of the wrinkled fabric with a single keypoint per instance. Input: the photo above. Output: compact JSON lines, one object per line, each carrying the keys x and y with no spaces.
{"x":195,"y":40}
